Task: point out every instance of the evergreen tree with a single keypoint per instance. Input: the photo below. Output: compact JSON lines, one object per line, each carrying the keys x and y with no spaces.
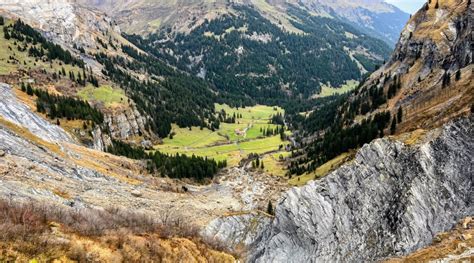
{"x":29,"y":90}
{"x":270,"y":210}
{"x":393,"y":127}
{"x":6,"y":33}
{"x":458,"y":75}
{"x":400,"y":115}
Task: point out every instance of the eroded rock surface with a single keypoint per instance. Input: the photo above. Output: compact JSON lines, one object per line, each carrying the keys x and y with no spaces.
{"x":126,"y":123}
{"x":20,"y":114}
{"x":391,"y":200}
{"x":239,"y":231}
{"x":62,"y":21}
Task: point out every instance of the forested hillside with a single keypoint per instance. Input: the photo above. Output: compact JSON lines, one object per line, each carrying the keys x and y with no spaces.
{"x":167,"y":96}
{"x":423,"y":85}
{"x":251,"y":60}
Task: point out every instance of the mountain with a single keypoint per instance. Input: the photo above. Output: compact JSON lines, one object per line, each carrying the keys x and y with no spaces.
{"x":141,"y":16}
{"x":91,"y":36}
{"x":377,"y":17}
{"x":426,"y":82}
{"x":251,"y":60}
{"x":398,"y":193}
{"x":129,"y":147}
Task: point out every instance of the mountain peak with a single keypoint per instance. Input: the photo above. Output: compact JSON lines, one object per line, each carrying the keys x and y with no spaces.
{"x":140,"y":16}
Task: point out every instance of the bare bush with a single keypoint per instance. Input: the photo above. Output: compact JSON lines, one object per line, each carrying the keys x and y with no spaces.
{"x":29,"y":225}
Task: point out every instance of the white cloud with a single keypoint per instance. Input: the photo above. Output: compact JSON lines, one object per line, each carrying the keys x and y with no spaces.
{"x":409,"y":6}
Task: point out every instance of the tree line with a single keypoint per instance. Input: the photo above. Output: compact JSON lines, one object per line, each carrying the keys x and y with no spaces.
{"x":55,"y":106}
{"x":168,"y":96}
{"x":177,"y":166}
{"x":40,"y":46}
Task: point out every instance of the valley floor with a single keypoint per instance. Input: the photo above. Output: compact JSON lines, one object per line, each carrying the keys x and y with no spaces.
{"x":38,"y":165}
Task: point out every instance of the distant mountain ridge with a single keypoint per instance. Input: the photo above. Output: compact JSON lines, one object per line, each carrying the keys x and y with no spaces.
{"x":251,"y":59}
{"x":142,"y":16}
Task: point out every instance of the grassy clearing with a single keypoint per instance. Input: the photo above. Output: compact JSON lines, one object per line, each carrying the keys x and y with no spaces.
{"x":273,"y":165}
{"x":327,"y":90}
{"x":276,"y":16}
{"x":106,"y":94}
{"x":225,"y":143}
{"x":322,"y":170}
{"x":255,"y":114}
{"x":184,"y":137}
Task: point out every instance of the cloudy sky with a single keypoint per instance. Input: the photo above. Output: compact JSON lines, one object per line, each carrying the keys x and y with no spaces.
{"x":409,"y":6}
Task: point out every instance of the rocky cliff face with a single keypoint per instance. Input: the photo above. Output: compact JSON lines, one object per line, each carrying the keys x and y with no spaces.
{"x":61,"y":20}
{"x":22,"y":115}
{"x":391,"y":200}
{"x":125,"y":123}
{"x":433,"y":64}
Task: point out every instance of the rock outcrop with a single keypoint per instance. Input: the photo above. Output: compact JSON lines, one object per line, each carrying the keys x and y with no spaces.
{"x":433,"y":63}
{"x":391,"y":200}
{"x":125,"y":123}
{"x":14,"y":111}
{"x":239,"y":231}
{"x":62,"y":21}
{"x":100,"y":140}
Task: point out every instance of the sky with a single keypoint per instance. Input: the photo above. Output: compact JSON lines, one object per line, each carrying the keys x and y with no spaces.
{"x":409,"y":6}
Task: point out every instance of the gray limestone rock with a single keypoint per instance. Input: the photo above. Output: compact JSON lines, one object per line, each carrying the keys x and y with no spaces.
{"x":12,"y":110}
{"x":391,"y":200}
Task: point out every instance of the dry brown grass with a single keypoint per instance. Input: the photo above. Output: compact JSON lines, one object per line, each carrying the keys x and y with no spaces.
{"x":47,"y":233}
{"x":61,"y":193}
{"x":452,"y":243}
{"x":26,"y":134}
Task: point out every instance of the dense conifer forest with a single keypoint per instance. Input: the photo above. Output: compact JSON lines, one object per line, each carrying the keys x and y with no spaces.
{"x":332,"y":121}
{"x":169,"y":97}
{"x":178,"y":166}
{"x":267,"y":66}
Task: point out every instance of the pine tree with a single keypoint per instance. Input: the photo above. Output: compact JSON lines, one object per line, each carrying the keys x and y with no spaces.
{"x":29,"y":90}
{"x":282,"y":134}
{"x":400,"y":115}
{"x":6,"y":33}
{"x":393,"y":127}
{"x":458,"y":75}
{"x":2,"y":21}
{"x":262,"y":166}
{"x":270,"y":210}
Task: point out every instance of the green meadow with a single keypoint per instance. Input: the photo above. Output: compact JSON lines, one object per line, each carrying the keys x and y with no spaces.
{"x":233,"y":141}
